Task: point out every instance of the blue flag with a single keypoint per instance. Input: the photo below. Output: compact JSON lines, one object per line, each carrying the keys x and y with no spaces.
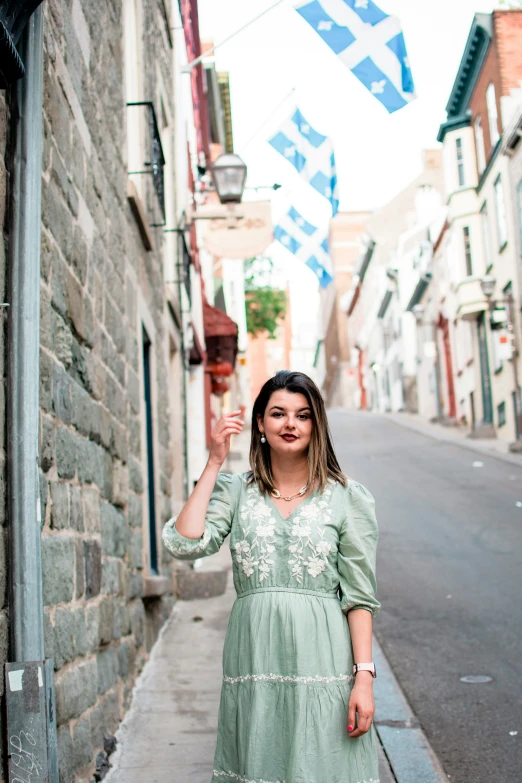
{"x":369,"y":42}
{"x":305,"y":241}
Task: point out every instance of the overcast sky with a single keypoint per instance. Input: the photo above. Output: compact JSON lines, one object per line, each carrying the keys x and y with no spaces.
{"x":377,"y":153}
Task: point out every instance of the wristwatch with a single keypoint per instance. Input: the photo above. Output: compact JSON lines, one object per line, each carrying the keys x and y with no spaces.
{"x":365,"y":667}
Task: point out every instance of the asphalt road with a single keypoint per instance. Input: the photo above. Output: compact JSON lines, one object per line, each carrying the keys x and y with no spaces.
{"x":450,"y":582}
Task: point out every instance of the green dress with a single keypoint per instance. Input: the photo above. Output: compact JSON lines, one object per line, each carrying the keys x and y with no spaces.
{"x":287,"y":659}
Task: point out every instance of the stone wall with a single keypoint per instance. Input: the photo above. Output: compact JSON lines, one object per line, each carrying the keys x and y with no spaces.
{"x":97,"y":284}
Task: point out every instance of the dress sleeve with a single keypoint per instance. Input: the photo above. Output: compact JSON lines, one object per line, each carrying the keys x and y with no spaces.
{"x":357,"y":551}
{"x":217,"y":525}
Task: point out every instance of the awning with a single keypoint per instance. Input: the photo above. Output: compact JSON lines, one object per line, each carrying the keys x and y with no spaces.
{"x":220,"y":335}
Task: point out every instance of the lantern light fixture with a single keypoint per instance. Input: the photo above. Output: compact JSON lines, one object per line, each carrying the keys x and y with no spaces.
{"x":229,"y":174}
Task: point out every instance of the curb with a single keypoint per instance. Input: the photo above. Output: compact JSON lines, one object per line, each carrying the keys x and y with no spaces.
{"x":409,"y":754}
{"x":464,"y":443}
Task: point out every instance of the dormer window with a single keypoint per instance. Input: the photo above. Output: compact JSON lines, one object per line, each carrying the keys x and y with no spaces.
{"x":491,"y":102}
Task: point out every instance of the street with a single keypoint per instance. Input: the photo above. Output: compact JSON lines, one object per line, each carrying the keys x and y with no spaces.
{"x":449,"y":577}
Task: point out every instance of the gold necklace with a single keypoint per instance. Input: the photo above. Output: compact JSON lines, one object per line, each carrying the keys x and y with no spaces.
{"x":277,"y":495}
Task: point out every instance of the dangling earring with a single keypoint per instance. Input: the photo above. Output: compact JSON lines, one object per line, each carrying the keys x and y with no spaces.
{"x":263,"y":439}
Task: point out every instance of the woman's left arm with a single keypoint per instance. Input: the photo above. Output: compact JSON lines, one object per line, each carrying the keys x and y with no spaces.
{"x":361,"y":698}
{"x":356,"y":564}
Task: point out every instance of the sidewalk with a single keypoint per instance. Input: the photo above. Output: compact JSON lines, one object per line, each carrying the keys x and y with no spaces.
{"x":458,"y":435}
{"x":168,"y":735}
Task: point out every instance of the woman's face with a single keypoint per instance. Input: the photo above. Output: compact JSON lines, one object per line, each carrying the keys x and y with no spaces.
{"x":287,"y":423}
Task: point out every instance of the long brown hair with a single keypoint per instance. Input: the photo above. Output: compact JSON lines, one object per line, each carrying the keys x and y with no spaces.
{"x":322,"y":462}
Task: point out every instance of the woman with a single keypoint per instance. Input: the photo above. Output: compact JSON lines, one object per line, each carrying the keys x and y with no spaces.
{"x":303,"y":539}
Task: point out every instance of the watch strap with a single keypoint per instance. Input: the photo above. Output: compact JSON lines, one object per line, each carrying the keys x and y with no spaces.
{"x":365,"y":667}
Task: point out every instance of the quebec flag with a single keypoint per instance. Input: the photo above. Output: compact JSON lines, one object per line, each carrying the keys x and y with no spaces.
{"x":311,"y":154}
{"x":368,"y":41}
{"x":303,"y":240}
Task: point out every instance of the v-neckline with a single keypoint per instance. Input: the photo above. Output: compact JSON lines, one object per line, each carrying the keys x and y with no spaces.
{"x":299,"y":506}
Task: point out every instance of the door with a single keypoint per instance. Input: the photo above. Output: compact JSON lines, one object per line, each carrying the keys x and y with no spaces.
{"x":485,"y":378}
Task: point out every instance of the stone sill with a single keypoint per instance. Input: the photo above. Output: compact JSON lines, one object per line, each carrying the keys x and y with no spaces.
{"x":156,"y":586}
{"x":138,"y":210}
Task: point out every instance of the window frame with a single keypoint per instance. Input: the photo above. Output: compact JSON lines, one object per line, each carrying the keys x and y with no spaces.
{"x":461,"y":171}
{"x":501,"y":213}
{"x":486,"y":236}
{"x":480,"y":145}
{"x":468,"y":256}
{"x":491,"y":103}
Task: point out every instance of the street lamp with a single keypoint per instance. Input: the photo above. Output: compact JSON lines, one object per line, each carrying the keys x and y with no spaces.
{"x":488,"y":284}
{"x":229,"y":177}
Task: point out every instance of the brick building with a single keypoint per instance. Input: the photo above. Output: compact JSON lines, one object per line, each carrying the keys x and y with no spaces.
{"x":122,"y":345}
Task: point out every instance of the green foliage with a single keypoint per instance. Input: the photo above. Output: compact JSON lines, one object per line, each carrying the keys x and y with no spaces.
{"x":510,"y":3}
{"x":265,"y":304}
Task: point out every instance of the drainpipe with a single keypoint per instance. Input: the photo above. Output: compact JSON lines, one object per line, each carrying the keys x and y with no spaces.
{"x":23,"y":340}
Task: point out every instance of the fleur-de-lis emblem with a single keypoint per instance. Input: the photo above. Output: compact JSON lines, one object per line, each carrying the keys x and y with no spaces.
{"x":361,"y":3}
{"x":325,"y":25}
{"x":290,"y":151}
{"x":378,"y":87}
{"x":300,"y":221}
{"x":285,"y":240}
{"x":304,"y":128}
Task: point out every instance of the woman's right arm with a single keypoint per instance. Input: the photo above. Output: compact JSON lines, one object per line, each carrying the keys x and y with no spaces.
{"x":205,"y":520}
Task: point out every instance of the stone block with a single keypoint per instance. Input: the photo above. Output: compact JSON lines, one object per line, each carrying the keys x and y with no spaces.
{"x":46,"y":320}
{"x":59,"y":505}
{"x":76,"y":509}
{"x":136,"y":549}
{"x":133,"y":387}
{"x":110,"y":712}
{"x":64,"y":628}
{"x":120,"y":484}
{"x":81,"y":641}
{"x":93,"y":567}
{"x":114,"y":530}
{"x":91,"y":509}
{"x":66,"y":453}
{"x":58,"y":112}
{"x":200,"y":584}
{"x":135,"y":510}
{"x":110,"y":576}
{"x":125,"y":619}
{"x":45,"y":395}
{"x":80,"y":568}
{"x":135,"y":476}
{"x":62,"y":340}
{"x":58,"y":285}
{"x":91,"y":463}
{"x":3,"y":567}
{"x":76,"y":304}
{"x":65,"y":754}
{"x":81,"y":408}
{"x":126,"y":657}
{"x":92,"y":627}
{"x":116,"y":399}
{"x":44,"y":496}
{"x":118,"y":446}
{"x":137,"y":613}
{"x":80,"y":255}
{"x":49,"y":650}
{"x":134,"y":585}
{"x":106,"y":625}
{"x":62,"y":403}
{"x":107,"y":669}
{"x":76,"y":690}
{"x":82,"y":748}
{"x":46,"y":254}
{"x":47,"y":443}
{"x":107,"y":473}
{"x":58,"y":569}
{"x":135,"y":436}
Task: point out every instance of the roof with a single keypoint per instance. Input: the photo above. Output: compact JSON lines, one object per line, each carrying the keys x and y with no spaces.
{"x":475,"y":51}
{"x":217,"y":323}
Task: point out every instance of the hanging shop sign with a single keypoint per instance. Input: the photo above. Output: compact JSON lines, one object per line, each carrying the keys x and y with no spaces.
{"x":241,"y":232}
{"x":503,"y":348}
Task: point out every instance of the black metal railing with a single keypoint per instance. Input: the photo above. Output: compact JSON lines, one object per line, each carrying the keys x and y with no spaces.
{"x":14,"y":15}
{"x":154,"y":166}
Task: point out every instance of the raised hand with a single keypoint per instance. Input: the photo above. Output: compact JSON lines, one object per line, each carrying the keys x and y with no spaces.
{"x":228,"y":425}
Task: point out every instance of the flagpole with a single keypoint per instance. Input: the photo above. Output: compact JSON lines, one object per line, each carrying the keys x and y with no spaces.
{"x":189,"y":66}
{"x":267,"y":120}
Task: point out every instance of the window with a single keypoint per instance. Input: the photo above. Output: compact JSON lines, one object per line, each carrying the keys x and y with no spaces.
{"x":501,"y":212}
{"x":479,"y":144}
{"x":501,"y":414}
{"x":467,"y":250}
{"x":460,"y":162}
{"x":491,"y":101}
{"x":486,"y":236}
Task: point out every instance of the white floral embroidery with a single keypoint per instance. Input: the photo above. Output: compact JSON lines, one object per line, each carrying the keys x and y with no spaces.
{"x":287,"y":678}
{"x":256,"y":553}
{"x":241,"y":779}
{"x":305,"y":552}
{"x":177,"y":544}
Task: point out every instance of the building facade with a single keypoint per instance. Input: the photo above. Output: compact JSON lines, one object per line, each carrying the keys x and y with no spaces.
{"x":125,"y":388}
